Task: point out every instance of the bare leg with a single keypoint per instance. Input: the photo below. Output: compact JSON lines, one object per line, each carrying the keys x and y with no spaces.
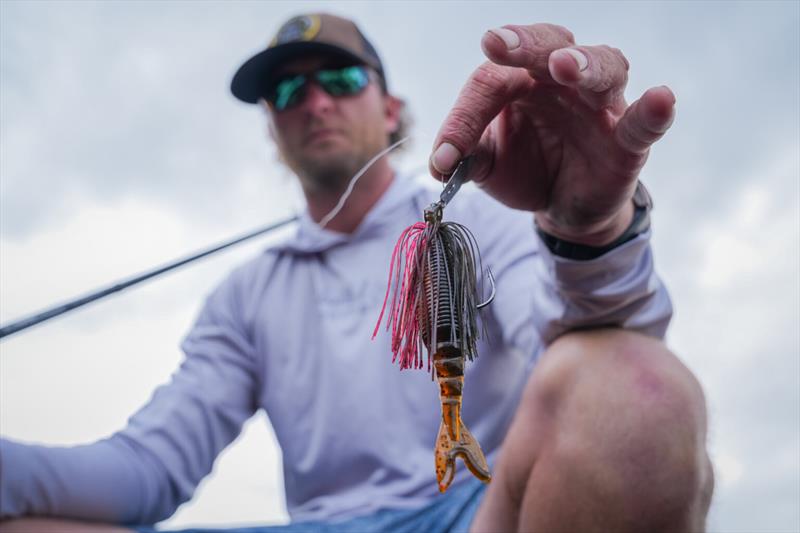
{"x":54,"y":525}
{"x":609,"y":436}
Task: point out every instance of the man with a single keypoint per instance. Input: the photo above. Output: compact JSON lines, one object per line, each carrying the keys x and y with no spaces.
{"x":586,"y":418}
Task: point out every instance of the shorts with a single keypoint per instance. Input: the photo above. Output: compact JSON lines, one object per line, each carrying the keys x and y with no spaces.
{"x":451,"y":513}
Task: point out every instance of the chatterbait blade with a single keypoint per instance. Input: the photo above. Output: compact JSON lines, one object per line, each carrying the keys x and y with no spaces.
{"x":455,"y":182}
{"x":434,"y":305}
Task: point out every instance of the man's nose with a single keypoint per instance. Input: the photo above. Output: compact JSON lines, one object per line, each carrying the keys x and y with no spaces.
{"x":317,"y":99}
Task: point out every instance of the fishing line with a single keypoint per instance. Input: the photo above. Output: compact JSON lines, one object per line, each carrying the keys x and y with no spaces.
{"x":350,"y":186}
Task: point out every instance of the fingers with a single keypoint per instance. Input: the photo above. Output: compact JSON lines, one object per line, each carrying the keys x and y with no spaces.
{"x":486,"y":92}
{"x":522,"y":57}
{"x":646,"y":120}
{"x":526,"y":47}
{"x":490,"y":88}
{"x":599,"y":73}
{"x":548,"y":52}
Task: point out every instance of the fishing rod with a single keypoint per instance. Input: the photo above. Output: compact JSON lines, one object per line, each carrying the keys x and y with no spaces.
{"x":57,"y":310}
{"x":102,"y":293}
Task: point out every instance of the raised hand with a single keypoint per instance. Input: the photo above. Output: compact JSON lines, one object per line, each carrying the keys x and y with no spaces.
{"x":551,"y":132}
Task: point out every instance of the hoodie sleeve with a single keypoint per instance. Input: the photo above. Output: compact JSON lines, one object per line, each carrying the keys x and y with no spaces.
{"x":619,"y":288}
{"x":540,"y":296}
{"x":141,"y":474}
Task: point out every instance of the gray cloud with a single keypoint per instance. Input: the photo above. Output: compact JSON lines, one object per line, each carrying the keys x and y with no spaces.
{"x":124,"y":105}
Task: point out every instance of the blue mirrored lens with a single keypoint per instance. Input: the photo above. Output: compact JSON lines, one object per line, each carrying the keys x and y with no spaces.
{"x":288,"y":92}
{"x":345,"y":81}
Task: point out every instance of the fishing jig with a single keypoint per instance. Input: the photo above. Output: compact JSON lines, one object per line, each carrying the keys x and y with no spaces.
{"x":435,"y":303}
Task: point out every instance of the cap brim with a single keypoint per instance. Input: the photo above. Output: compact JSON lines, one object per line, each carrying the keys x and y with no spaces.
{"x":252,"y":79}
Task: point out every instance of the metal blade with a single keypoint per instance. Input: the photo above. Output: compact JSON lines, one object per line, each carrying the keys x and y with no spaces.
{"x":457,"y":179}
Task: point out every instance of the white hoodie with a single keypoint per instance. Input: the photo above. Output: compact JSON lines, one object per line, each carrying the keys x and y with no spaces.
{"x":290,"y":332}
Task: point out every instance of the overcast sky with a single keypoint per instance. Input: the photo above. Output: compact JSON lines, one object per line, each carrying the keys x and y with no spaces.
{"x":121,"y":148}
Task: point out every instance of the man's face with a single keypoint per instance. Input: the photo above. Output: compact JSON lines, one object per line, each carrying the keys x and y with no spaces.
{"x":326,"y":139}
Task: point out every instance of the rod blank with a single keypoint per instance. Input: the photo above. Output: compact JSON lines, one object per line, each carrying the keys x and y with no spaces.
{"x":57,"y":310}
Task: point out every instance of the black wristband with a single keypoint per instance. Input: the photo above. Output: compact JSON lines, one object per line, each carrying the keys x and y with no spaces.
{"x":643,"y":204}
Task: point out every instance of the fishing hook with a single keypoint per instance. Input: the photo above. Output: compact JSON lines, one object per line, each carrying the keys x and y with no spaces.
{"x":494,"y":290}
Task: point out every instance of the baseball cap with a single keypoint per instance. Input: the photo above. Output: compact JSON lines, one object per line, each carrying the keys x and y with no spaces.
{"x":320,"y":33}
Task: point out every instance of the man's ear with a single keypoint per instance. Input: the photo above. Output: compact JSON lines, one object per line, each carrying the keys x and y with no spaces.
{"x":393,"y":109}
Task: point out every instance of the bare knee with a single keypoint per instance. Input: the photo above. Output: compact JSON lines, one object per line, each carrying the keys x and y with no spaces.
{"x":629,"y":416}
{"x":604,"y":368}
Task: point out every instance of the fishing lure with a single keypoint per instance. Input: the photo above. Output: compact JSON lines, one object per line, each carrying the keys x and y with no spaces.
{"x":434,"y":304}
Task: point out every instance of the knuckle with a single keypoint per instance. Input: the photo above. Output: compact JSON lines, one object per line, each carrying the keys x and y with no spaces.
{"x":629,"y":163}
{"x":615,"y":60}
{"x":461,"y":128}
{"x":549,"y":35}
{"x":559,"y":31}
{"x":475,"y":106}
{"x":485,"y":81}
{"x":634,"y":142}
{"x":563,"y":32}
{"x":618,"y":66}
{"x":622,"y":59}
{"x":631,"y":141}
{"x":614,"y":53}
{"x":611,"y":71}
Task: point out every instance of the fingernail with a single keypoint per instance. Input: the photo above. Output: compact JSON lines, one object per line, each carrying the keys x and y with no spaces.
{"x":509,"y":37}
{"x":445,"y":158}
{"x":674,"y":99}
{"x":579,"y":58}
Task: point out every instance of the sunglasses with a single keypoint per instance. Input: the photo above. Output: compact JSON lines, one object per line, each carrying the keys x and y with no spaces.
{"x":290,"y":91}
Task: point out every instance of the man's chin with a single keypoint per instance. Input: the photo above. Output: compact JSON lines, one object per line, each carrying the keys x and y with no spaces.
{"x":331,"y":158}
{"x":330,"y":169}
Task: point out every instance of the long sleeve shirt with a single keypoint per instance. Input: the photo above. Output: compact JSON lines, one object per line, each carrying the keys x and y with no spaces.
{"x":290,"y":332}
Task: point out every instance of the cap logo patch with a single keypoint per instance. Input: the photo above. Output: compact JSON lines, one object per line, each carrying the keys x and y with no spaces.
{"x":302,"y":28}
